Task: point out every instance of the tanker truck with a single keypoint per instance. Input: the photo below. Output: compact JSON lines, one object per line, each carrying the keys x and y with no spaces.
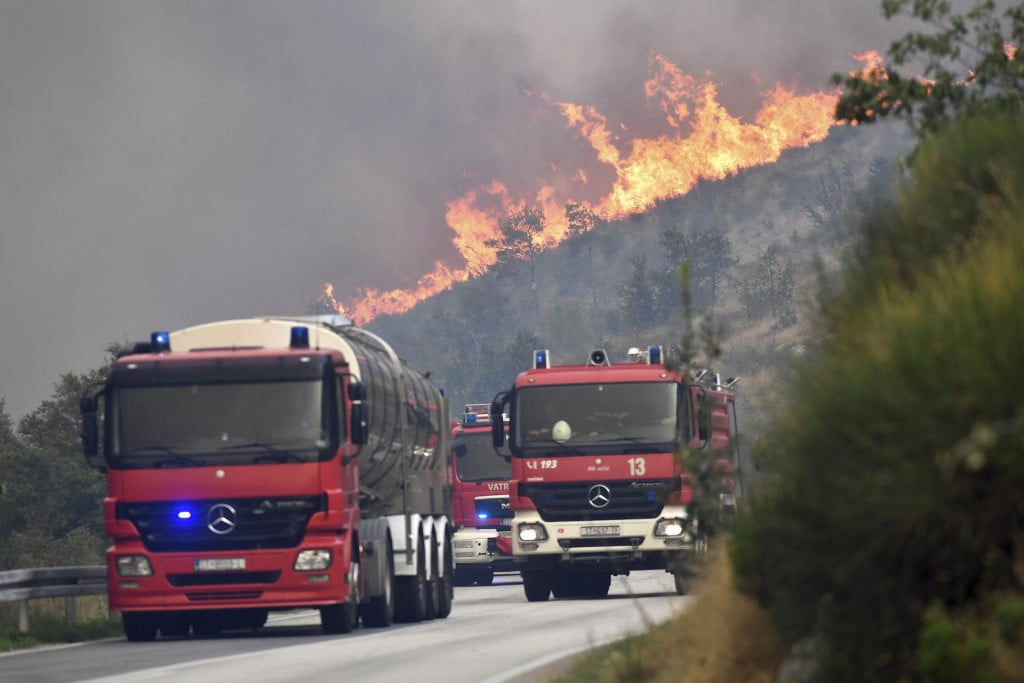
{"x":271,"y":464}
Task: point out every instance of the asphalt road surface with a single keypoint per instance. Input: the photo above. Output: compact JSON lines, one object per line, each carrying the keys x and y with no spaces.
{"x":492,"y":636}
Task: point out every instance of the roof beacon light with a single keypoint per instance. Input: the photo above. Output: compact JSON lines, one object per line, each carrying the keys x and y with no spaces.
{"x":300,"y":337}
{"x":160,"y":341}
{"x":598,"y":357}
{"x":540,"y":359}
{"x":654,"y":355}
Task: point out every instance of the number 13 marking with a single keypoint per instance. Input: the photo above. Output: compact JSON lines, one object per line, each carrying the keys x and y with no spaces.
{"x":637,"y":467}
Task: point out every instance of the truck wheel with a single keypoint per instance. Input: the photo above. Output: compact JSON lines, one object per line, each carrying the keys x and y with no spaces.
{"x":464,"y":576}
{"x":174,"y":624}
{"x":485,"y":576}
{"x":338,"y":618}
{"x":536,"y":585}
{"x":342,"y":618}
{"x":379,"y":612}
{"x":433,"y":598}
{"x":139,"y":627}
{"x":564,"y":585}
{"x":411,"y":594}
{"x":682,"y":581}
{"x":444,"y":606}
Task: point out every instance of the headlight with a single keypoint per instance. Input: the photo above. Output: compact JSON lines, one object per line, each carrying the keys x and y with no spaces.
{"x":315,"y":560}
{"x":465,"y":544}
{"x":532,"y":531}
{"x":669,"y":527}
{"x":133,"y":565}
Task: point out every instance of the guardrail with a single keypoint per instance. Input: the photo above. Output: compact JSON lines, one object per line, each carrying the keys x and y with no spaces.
{"x":22,"y":585}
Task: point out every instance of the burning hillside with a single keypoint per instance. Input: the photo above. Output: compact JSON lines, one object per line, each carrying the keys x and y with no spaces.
{"x":703,"y":141}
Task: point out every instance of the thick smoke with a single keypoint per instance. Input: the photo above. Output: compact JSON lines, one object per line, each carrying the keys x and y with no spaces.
{"x":168,"y":163}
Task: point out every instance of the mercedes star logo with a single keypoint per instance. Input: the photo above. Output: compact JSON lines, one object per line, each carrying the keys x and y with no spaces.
{"x":599,"y":496}
{"x":221,"y":519}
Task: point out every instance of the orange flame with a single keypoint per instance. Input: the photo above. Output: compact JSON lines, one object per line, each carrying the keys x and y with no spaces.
{"x":705,"y":142}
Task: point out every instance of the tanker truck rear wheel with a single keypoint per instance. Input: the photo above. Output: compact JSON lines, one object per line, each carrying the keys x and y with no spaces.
{"x":379,"y":611}
{"x":411,"y":598}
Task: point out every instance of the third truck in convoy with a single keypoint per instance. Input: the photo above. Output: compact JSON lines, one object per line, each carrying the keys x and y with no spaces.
{"x":597,"y":487}
{"x":482,"y":543}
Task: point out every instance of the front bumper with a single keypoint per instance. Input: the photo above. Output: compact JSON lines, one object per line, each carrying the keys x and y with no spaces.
{"x":267,"y":582}
{"x":625,"y":543}
{"x":479,"y":547}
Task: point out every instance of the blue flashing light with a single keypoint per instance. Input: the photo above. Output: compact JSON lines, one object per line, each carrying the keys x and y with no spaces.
{"x":184,"y":514}
{"x":470,"y":418}
{"x":540,"y":359}
{"x":160,"y":341}
{"x":481,"y":515}
{"x":300,"y":337}
{"x":650,"y":496}
{"x":654,"y":355}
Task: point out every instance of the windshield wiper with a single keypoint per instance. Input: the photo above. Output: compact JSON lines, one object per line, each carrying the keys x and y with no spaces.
{"x":176,"y":459}
{"x":647,"y":445}
{"x":533,"y":443}
{"x":271,"y":452}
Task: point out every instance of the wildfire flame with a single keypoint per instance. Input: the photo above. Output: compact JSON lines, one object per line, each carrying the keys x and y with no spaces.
{"x":705,"y":142}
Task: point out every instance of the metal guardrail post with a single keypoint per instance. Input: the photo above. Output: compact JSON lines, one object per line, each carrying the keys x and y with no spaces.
{"x":23,"y":616}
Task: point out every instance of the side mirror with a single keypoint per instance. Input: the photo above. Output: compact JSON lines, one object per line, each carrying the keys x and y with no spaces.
{"x":89,"y":432}
{"x":497,"y":425}
{"x":357,"y":391}
{"x":460,"y":450}
{"x":360,"y":424}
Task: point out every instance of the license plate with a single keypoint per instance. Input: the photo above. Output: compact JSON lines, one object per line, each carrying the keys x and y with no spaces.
{"x":220,"y":564}
{"x":607,"y":530}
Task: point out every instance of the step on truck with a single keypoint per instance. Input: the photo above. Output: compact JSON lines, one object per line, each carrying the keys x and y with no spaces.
{"x":271,"y":464}
{"x":482,"y":543}
{"x":598,"y":488}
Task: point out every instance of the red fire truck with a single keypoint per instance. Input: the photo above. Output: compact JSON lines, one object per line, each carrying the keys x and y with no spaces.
{"x":268,"y":464}
{"x":597,"y":488}
{"x":482,"y":543}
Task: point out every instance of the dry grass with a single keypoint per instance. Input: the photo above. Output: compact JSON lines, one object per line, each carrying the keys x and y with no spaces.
{"x":723,"y":637}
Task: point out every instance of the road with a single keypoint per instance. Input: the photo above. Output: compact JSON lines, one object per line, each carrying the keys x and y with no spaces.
{"x":492,"y":636}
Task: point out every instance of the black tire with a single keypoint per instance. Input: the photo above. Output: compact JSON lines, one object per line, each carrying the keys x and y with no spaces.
{"x":536,"y":585}
{"x":338,"y":618}
{"x":444,"y":606}
{"x":343,"y":618}
{"x":139,"y":627}
{"x":411,"y":598}
{"x":465,"y":575}
{"x":433,"y":598}
{"x":682,"y":581}
{"x":174,"y":624}
{"x":485,"y":576}
{"x":564,"y":586}
{"x":379,"y":611}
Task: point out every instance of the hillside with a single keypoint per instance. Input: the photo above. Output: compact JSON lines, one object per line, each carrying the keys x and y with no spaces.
{"x":477,"y":336}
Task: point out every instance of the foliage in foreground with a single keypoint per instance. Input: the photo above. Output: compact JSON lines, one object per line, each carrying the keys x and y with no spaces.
{"x":896,"y":454}
{"x":722,"y":637}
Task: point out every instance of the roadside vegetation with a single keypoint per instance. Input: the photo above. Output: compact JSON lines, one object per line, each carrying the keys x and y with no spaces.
{"x":48,"y":623}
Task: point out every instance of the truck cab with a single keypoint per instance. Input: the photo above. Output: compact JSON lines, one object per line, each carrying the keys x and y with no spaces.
{"x":482,"y":542}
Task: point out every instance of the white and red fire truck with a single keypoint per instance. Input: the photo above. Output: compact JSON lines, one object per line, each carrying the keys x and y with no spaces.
{"x":598,"y":485}
{"x":482,"y":543}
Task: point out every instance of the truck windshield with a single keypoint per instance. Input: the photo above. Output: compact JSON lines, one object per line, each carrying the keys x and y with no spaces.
{"x":476,"y":460}
{"x":588,"y":418}
{"x":223,"y":423}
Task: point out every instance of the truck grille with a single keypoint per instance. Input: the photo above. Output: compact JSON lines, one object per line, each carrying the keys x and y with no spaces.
{"x":570,"y":501}
{"x":244,"y":523}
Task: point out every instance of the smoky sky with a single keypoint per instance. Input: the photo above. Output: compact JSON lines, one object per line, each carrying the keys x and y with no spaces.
{"x":164,"y":164}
